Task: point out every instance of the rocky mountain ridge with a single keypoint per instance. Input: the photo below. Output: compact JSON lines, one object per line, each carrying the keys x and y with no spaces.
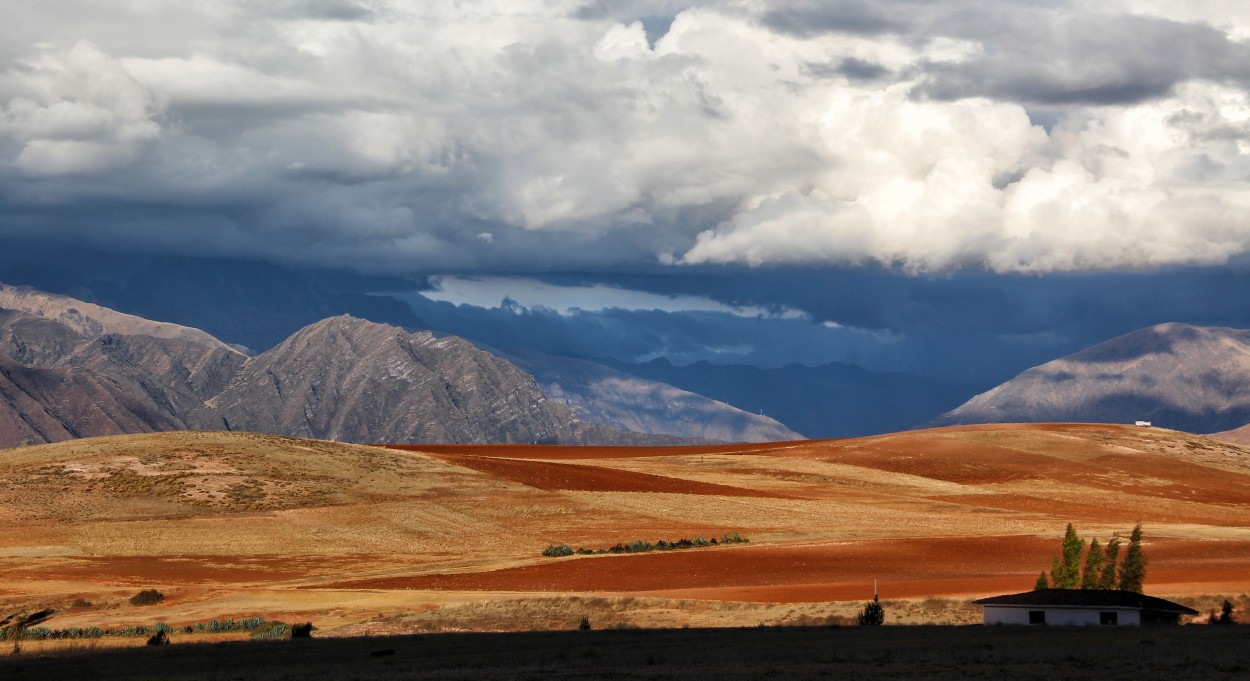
{"x":71,"y":369}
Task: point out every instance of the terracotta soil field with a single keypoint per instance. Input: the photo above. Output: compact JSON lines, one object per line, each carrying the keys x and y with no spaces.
{"x":562,"y":476}
{"x":416,"y":537}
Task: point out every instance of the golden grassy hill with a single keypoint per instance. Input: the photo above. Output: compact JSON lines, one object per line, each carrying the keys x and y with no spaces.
{"x":237,"y":523}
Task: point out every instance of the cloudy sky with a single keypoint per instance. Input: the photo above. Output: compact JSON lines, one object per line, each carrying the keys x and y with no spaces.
{"x":959,"y":148}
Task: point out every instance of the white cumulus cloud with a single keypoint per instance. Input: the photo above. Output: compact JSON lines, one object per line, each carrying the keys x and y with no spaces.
{"x":1015,"y":136}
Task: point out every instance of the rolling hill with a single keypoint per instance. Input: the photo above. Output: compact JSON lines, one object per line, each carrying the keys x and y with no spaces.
{"x":449,"y":536}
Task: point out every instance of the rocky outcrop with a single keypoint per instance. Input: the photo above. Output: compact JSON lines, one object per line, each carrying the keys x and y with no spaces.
{"x":1177,"y":376}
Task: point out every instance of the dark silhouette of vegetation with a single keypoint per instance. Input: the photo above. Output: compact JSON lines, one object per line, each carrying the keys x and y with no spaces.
{"x":147,"y":597}
{"x":585,"y":624}
{"x":302,"y":630}
{"x":1041,"y":582}
{"x":19,"y":625}
{"x":160,"y":638}
{"x":640,"y":546}
{"x":259,"y":627}
{"x":1225,"y":616}
{"x":873,"y":615}
{"x":1133,"y":569}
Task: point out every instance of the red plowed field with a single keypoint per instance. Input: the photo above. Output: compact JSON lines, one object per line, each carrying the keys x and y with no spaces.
{"x":564,"y":476}
{"x":816,"y":572}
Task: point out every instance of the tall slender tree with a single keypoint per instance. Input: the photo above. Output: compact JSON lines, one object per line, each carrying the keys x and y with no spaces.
{"x":1107,"y":579}
{"x":1133,"y":569}
{"x":1092,"y":575}
{"x":1067,"y":573}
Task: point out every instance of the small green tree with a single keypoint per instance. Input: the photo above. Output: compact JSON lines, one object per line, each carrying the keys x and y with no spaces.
{"x":1092,"y":576}
{"x":1133,"y":569}
{"x":1107,"y":580}
{"x":1041,"y":582}
{"x":1066,"y":571}
{"x":873,"y":615}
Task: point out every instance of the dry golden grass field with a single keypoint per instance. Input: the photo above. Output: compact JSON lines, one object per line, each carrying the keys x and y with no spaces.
{"x":371,"y":540}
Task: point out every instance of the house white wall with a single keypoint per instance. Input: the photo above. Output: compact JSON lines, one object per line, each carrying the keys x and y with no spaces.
{"x":1059,"y":616}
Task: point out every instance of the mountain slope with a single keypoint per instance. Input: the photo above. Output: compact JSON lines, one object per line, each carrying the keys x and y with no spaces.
{"x":88,"y":320}
{"x":600,"y":394}
{"x":1177,"y":376}
{"x":50,"y":405}
{"x":164,"y":371}
{"x":351,"y":380}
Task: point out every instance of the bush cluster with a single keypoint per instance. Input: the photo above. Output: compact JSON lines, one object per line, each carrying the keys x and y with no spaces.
{"x":147,"y":597}
{"x":259,"y":626}
{"x":640,"y":546}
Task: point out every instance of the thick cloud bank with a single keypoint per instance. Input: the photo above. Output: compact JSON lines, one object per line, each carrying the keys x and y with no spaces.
{"x":521,"y":135}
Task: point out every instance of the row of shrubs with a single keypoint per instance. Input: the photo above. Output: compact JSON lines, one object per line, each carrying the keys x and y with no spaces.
{"x":259,"y":626}
{"x":640,"y":546}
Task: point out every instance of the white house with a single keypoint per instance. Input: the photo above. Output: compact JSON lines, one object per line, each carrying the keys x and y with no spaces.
{"x":1079,"y":607}
{"x":1143,"y":424}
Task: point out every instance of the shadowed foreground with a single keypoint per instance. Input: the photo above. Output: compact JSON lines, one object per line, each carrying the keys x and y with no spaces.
{"x":887,"y":652}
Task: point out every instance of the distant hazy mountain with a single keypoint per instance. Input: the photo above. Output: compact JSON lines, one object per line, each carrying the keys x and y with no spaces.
{"x":600,"y":394}
{"x":831,"y":400}
{"x":1239,"y":436}
{"x":73,"y":369}
{"x":1176,"y":376}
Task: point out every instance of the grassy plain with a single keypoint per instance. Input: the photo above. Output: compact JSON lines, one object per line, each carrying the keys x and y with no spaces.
{"x":373,"y":540}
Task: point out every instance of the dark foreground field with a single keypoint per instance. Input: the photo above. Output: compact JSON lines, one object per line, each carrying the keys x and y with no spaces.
{"x":859,"y":653}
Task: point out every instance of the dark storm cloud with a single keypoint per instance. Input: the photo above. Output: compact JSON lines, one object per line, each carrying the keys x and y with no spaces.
{"x":1032,"y":53}
{"x":1088,"y":59}
{"x":852,"y":68}
{"x":981,"y":328}
{"x":858,"y":17}
{"x":334,"y":10}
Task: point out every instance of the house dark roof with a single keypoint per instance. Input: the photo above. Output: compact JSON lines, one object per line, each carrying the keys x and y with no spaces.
{"x":1088,"y":598}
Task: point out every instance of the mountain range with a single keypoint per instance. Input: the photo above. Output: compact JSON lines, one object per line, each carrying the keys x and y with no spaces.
{"x":69,"y":368}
